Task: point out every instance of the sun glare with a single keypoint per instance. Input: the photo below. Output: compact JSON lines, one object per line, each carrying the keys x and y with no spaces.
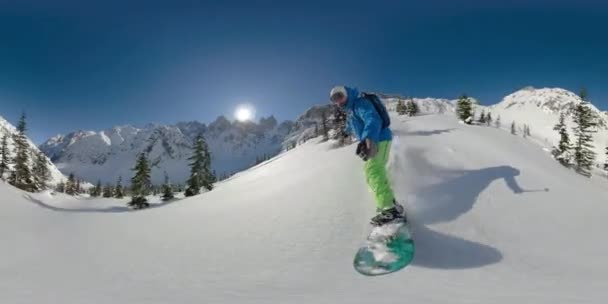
{"x":244,"y":113}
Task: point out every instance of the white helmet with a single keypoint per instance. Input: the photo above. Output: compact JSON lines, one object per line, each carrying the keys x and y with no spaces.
{"x":337,"y":91}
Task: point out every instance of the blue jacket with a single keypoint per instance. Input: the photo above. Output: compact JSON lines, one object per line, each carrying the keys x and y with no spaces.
{"x":363,"y":119}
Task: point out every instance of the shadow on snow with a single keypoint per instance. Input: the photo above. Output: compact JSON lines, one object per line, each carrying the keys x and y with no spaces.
{"x":111,"y":209}
{"x":453,"y":195}
{"x":423,"y":133}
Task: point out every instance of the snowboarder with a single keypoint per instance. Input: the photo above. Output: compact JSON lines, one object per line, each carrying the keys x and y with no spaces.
{"x":368,"y":120}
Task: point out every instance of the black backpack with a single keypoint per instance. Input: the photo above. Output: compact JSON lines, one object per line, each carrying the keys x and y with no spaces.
{"x":380,"y":108}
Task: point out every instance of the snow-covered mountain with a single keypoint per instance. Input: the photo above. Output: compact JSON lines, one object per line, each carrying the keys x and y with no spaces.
{"x":8,"y":129}
{"x":235,"y":146}
{"x":304,"y":126}
{"x":111,"y":153}
{"x":426,"y":105}
{"x":495,"y":220}
{"x":540,"y":110}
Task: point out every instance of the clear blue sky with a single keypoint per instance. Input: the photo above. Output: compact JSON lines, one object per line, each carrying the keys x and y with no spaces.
{"x":73,"y":65}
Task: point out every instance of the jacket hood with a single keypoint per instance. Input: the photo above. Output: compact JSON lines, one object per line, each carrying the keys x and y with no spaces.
{"x":352,"y":94}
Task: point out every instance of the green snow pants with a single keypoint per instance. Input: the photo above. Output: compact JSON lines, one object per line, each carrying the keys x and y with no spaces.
{"x":377,"y":177}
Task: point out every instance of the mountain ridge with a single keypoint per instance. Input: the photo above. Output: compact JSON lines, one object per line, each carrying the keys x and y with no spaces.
{"x":246,"y":142}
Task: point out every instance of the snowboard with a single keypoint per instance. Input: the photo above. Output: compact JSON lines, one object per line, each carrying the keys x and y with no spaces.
{"x":388,"y":248}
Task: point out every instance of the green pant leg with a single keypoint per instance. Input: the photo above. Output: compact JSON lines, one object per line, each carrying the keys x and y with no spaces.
{"x":377,"y":177}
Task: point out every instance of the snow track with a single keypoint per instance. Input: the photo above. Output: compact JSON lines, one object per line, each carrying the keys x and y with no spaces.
{"x":495,"y":220}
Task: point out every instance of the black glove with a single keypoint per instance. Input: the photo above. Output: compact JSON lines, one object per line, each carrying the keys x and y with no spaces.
{"x":367,"y":149}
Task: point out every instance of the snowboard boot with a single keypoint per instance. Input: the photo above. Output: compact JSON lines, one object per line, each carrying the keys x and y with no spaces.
{"x":394,"y":214}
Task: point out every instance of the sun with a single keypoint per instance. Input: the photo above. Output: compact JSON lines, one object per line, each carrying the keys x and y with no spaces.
{"x":244,"y":113}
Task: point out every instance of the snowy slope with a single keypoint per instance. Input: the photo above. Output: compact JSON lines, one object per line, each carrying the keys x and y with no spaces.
{"x":496,"y":220}
{"x":540,"y":109}
{"x":108,"y":154}
{"x":8,"y":129}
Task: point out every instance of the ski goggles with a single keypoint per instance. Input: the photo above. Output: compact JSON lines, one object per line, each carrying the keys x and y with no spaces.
{"x":337,"y":97}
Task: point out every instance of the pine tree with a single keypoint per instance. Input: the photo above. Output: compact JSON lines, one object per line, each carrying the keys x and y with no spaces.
{"x":119,"y":191}
{"x":464,"y":108}
{"x":584,"y":121}
{"x":401,"y":107}
{"x":513,"y":128}
{"x":489,"y":119}
{"x":140,"y":183}
{"x":200,"y":168}
{"x":78,"y":186}
{"x":60,"y":187}
{"x":525,"y":133}
{"x":324,"y":128}
{"x":411,"y":108}
{"x":108,"y":191}
{"x":41,"y":172}
{"x":167,"y":189}
{"x":21,"y":177}
{"x":497,"y":123}
{"x":606,"y":162}
{"x":562,"y":152}
{"x":4,"y":156}
{"x":97,"y":190}
{"x":340,"y":119}
{"x":70,"y":186}
{"x":482,"y":117}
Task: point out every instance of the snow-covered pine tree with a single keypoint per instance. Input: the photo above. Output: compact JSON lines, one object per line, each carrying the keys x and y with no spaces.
{"x":401,"y":107}
{"x":21,"y":177}
{"x":497,"y":123}
{"x":412,"y":108}
{"x":606,"y":162}
{"x":4,"y":156}
{"x":513,"y":128}
{"x":200,"y":168}
{"x":416,"y":108}
{"x":525,"y":131}
{"x":167,"y":189}
{"x":482,"y":117}
{"x":41,"y":172}
{"x":78,"y":186}
{"x":108,"y":191}
{"x":60,"y":187}
{"x":464,"y":108}
{"x":70,"y":185}
{"x":119,"y":191}
{"x":584,"y":121}
{"x":489,"y":119}
{"x":339,"y":124}
{"x":528,"y":130}
{"x":97,"y":190}
{"x":324,"y":128}
{"x":562,"y":153}
{"x":140,"y":183}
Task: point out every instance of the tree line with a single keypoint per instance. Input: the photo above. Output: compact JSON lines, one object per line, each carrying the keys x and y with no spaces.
{"x":574,"y":152}
{"x":578,"y":154}
{"x":30,"y":171}
{"x":27,"y":169}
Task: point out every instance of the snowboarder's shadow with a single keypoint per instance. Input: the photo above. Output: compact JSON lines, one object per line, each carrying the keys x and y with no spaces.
{"x":453,"y":195}
{"x":423,"y":133}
